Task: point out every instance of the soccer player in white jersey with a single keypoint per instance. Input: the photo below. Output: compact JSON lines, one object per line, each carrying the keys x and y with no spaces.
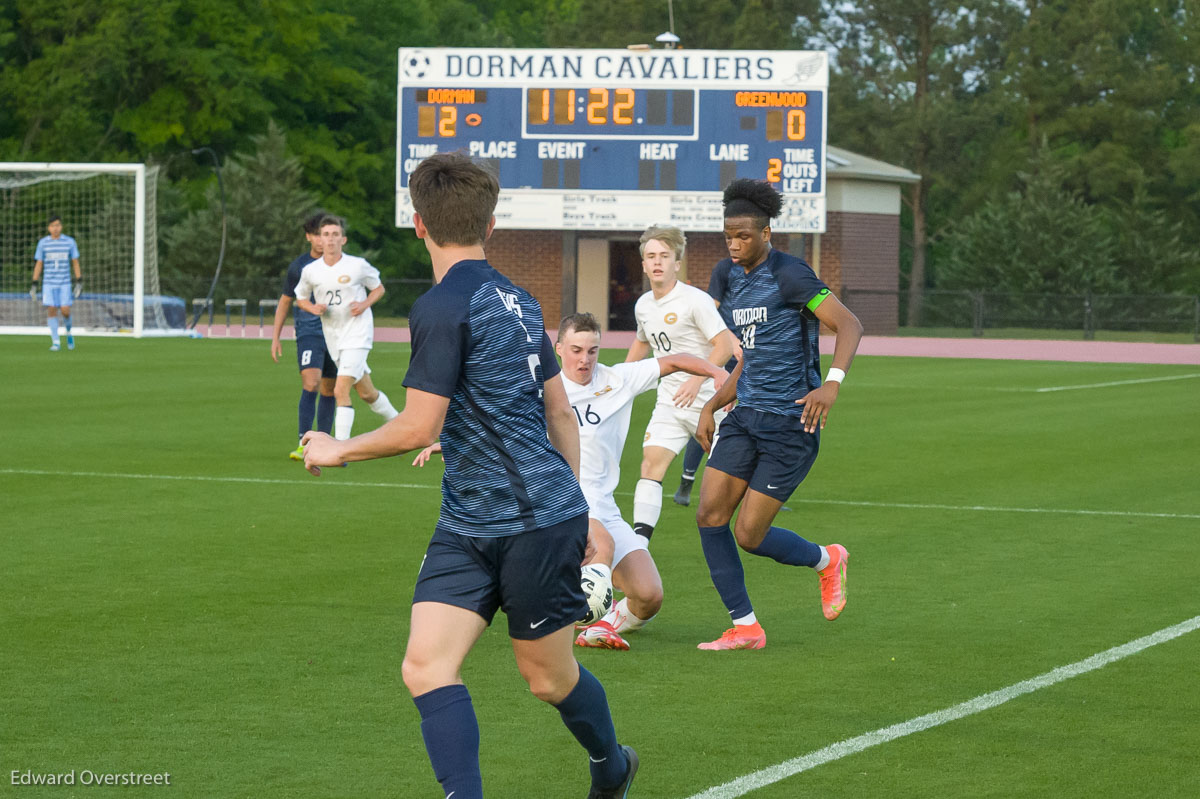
{"x":345,"y":287}
{"x":602,"y":398}
{"x":672,"y":318}
{"x":58,"y":256}
{"x":318,"y":370}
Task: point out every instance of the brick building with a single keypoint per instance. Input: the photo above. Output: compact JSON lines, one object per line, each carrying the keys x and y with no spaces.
{"x":600,"y":271}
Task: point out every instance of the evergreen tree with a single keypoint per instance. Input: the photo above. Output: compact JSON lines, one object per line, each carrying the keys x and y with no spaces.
{"x":1042,"y":238}
{"x":266,"y":204}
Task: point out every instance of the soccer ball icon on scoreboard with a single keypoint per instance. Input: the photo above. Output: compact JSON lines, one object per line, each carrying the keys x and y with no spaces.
{"x":416,"y":64}
{"x":598,"y":590}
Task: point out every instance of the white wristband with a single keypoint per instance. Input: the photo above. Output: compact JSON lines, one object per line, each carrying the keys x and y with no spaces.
{"x":835,"y":374}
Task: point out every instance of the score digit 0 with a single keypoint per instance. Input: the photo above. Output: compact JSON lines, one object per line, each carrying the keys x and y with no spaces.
{"x":795,"y":129}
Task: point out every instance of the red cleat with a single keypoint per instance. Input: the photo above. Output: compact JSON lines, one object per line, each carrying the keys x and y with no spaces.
{"x":601,"y":635}
{"x":740,"y":636}
{"x":833,"y":582}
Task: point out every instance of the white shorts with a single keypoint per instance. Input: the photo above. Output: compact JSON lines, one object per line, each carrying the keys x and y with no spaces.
{"x":352,"y":363}
{"x":671,"y":428}
{"x":625,"y":540}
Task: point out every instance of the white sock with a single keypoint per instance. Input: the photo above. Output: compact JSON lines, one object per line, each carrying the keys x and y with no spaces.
{"x":647,"y":503}
{"x":623,"y":620}
{"x":824,"y":561}
{"x":383,"y":407}
{"x":343,"y":420}
{"x":751,"y":619}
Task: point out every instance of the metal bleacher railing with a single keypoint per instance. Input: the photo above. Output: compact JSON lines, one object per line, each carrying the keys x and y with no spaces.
{"x":240,"y":297}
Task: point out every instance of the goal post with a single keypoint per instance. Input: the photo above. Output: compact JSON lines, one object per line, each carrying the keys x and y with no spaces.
{"x":111,"y":212}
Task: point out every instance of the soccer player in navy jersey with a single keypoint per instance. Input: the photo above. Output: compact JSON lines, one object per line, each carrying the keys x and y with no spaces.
{"x":513,"y":524}
{"x":766,"y":446}
{"x":58,"y":255}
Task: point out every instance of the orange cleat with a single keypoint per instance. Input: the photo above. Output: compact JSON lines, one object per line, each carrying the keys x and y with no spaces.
{"x":740,"y":636}
{"x":601,"y":635}
{"x":833,"y":582}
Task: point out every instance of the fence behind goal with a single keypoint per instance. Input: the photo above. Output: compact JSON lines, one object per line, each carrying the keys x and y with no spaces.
{"x":110,"y":210}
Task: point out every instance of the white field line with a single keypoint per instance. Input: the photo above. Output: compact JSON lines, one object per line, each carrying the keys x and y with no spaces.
{"x":310,"y":481}
{"x":788,"y":768}
{"x":1113,"y":383}
{"x":994,"y":508}
{"x":1026,"y":389}
{"x":307,"y":481}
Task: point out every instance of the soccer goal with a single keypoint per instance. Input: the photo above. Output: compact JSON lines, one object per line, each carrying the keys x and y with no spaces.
{"x":110,"y":211}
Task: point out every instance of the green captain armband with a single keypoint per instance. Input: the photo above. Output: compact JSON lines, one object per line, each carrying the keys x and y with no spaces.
{"x":817,"y":300}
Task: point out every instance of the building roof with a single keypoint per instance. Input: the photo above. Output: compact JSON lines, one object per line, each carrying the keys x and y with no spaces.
{"x":845,"y":165}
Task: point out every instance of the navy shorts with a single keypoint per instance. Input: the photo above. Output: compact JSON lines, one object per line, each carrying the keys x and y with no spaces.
{"x":769,"y":451}
{"x":311,"y":354}
{"x":533,"y":577}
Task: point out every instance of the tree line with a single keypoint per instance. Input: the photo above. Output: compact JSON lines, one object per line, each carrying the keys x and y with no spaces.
{"x":1058,"y":140}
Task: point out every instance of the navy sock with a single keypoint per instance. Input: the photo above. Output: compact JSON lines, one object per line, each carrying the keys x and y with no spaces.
{"x":691,"y":458}
{"x":585,"y":712}
{"x":325,"y":408}
{"x":725,"y":568}
{"x":308,"y":406}
{"x":451,"y":734}
{"x":787,"y":547}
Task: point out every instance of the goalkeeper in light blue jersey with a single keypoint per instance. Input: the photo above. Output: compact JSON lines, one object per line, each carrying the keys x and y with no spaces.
{"x":56,"y":258}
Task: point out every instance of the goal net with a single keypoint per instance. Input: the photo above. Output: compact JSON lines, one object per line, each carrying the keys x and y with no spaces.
{"x":110,"y":211}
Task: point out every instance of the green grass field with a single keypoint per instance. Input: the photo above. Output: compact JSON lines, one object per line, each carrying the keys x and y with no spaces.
{"x":177,"y":596}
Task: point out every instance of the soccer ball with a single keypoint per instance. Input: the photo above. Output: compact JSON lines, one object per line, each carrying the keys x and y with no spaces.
{"x":597,"y":587}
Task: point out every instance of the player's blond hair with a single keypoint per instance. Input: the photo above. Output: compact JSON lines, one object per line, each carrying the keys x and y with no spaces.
{"x":670,"y":236}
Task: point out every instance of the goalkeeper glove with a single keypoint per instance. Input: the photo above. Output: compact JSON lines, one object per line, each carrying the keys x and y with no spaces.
{"x":33,"y":291}
{"x":78,"y":287}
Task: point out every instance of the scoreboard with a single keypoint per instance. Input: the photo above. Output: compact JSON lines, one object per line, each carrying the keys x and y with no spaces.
{"x":619,"y":139}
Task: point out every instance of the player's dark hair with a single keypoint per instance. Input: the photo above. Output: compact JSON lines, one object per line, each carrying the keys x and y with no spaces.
{"x":579,"y":322}
{"x":455,"y":198}
{"x":53,"y":218}
{"x":756,"y":199}
{"x":313,"y":223}
{"x":330,"y":219}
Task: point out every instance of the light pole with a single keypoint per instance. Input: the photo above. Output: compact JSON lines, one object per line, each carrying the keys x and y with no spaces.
{"x":221,"y":257}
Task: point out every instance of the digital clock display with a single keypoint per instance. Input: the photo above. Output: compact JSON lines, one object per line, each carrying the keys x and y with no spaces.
{"x":607,"y":112}
{"x":562,"y":126}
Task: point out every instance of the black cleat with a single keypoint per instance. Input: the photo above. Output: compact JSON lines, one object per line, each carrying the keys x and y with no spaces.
{"x":684,"y":495}
{"x":621,"y":791}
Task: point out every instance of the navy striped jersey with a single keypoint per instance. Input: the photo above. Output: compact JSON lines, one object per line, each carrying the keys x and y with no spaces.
{"x":479,"y":340}
{"x":307,"y":324}
{"x":771,"y":310}
{"x":55,"y":255}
